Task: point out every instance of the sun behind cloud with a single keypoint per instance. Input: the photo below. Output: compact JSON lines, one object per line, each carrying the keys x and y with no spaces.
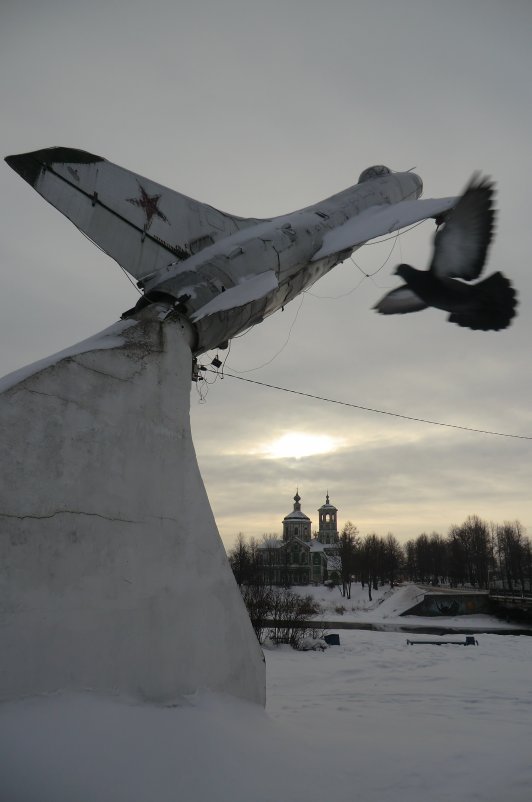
{"x":295,"y":445}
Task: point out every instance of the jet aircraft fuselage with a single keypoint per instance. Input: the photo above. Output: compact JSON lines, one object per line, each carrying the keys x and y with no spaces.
{"x":239,"y":280}
{"x":221,"y":272}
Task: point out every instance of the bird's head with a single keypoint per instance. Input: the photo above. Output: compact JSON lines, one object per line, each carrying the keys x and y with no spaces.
{"x":404,"y":271}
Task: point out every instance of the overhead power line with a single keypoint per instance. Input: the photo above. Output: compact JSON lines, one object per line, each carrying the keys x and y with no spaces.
{"x":373,"y":409}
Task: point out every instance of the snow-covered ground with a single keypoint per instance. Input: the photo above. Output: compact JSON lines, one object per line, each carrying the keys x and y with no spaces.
{"x":385,"y":609}
{"x":334,"y":606}
{"x":388,"y":721}
{"x":373,"y":720}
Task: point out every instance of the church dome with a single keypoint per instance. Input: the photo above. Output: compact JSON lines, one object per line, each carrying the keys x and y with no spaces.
{"x":296,"y":523}
{"x":327,"y":507}
{"x":297,"y":512}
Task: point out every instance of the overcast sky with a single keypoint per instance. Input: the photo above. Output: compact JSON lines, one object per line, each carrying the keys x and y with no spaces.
{"x":259,"y":108}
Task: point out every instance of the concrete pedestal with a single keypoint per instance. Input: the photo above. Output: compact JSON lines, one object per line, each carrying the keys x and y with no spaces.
{"x":112,"y":573}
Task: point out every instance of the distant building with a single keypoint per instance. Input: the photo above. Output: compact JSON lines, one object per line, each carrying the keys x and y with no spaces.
{"x":299,"y":558}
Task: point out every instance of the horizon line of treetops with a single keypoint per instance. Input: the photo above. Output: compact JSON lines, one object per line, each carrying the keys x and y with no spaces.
{"x":477,"y":553}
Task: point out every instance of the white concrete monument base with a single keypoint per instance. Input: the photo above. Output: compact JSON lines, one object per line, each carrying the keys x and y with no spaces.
{"x":112,"y":573}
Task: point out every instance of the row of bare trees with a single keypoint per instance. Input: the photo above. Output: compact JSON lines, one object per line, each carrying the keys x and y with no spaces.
{"x":474,"y":553}
{"x":368,"y":560}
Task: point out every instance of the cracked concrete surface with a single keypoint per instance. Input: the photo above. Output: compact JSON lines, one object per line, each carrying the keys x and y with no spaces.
{"x":112,"y":573}
{"x":65,"y":512}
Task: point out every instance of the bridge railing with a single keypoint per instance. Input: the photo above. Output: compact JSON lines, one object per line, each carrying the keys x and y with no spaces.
{"x":516,"y":593}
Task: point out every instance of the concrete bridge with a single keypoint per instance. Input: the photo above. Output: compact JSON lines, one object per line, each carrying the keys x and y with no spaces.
{"x":512,"y":600}
{"x":444,"y":601}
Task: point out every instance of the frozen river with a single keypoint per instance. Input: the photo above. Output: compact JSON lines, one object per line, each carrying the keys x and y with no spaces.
{"x":420,"y":722}
{"x":373,"y":720}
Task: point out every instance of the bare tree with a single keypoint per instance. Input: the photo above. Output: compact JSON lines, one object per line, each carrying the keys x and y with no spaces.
{"x":512,"y":553}
{"x":259,"y":602}
{"x":456,"y":557}
{"x":239,"y":559}
{"x":289,"y":615}
{"x":269,"y":557}
{"x":437,"y":558}
{"x":411,"y":560}
{"x":347,"y":549}
{"x":476,"y":535}
{"x":373,"y":549}
{"x":393,"y":558}
{"x":423,"y":558}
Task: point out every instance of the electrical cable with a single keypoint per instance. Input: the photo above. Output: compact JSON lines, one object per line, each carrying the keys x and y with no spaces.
{"x":281,"y":349}
{"x":403,"y":231}
{"x":396,"y":240}
{"x":378,"y":411}
{"x":364,"y":276}
{"x":370,"y":275}
{"x":124,"y":271}
{"x":343,"y":295}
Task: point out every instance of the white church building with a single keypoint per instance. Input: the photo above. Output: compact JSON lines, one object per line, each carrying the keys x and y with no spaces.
{"x":301,"y":558}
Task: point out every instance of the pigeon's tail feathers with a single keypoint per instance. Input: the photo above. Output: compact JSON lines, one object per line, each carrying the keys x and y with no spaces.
{"x":492,"y":307}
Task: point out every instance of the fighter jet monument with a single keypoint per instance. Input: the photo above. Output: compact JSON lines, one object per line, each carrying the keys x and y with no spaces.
{"x":112,"y":573}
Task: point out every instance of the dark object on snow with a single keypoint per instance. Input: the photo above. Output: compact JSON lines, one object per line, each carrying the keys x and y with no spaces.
{"x":469,"y":641}
{"x":332,"y":640}
{"x":460,"y":248}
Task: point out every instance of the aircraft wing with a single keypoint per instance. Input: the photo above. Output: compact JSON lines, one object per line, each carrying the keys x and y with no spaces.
{"x":379,"y":220}
{"x":143,"y":225}
{"x":247,"y":291}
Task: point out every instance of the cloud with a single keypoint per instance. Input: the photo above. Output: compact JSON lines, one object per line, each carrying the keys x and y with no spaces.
{"x":257,"y":114}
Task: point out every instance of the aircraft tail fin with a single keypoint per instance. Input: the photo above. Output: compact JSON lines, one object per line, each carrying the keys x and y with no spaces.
{"x":143,"y":225}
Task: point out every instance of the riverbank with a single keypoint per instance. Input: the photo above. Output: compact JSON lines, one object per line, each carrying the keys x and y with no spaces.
{"x":387,"y":611}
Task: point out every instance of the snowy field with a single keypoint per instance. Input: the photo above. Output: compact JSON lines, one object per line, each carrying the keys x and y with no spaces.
{"x":387,"y":721}
{"x":373,"y":720}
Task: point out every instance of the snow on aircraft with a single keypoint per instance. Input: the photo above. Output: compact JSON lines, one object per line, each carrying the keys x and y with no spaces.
{"x":222,"y":272}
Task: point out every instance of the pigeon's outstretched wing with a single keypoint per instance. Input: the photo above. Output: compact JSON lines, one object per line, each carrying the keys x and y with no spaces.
{"x":460,"y":249}
{"x":461,"y":245}
{"x":399,"y":302}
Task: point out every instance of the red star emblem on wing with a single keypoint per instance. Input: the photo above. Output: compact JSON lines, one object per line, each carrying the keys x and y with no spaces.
{"x":149,"y":204}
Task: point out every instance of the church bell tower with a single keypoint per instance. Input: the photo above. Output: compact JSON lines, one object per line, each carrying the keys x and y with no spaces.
{"x":328,"y":524}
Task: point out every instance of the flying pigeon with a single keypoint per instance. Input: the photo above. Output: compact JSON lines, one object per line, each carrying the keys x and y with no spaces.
{"x":460,"y":247}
